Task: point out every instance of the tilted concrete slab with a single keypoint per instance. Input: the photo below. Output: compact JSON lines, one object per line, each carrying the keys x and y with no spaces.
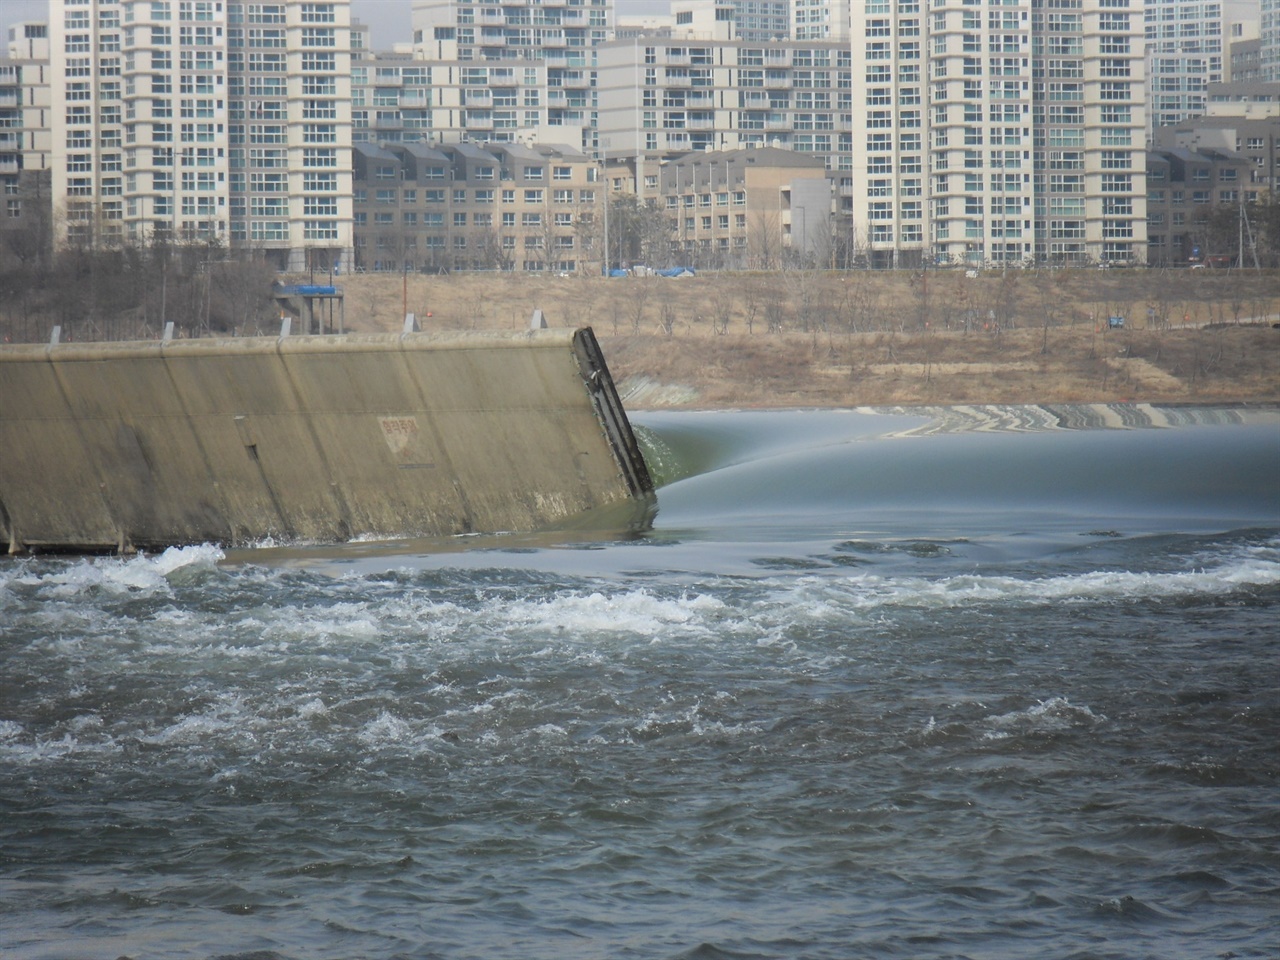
{"x":126,"y":445}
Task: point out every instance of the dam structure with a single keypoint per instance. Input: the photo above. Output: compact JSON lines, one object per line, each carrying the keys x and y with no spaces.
{"x":142,"y":445}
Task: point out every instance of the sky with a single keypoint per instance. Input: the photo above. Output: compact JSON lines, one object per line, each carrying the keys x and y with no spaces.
{"x":387,"y":19}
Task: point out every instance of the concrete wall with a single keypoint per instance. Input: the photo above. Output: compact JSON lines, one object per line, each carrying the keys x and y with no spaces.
{"x":310,"y":438}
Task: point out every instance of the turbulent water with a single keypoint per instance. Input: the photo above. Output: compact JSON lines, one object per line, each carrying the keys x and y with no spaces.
{"x":960,"y":683}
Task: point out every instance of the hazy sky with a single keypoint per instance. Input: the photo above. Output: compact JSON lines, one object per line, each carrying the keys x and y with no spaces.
{"x":388,"y":19}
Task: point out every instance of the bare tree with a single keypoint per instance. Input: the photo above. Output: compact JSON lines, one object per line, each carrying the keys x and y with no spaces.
{"x":765,"y":240}
{"x":722,"y":306}
{"x":640,"y":291}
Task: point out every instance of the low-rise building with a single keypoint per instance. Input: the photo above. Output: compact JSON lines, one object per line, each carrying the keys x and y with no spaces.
{"x":438,"y":207}
{"x":1243,"y":119}
{"x":750,"y":209}
{"x":1193,"y":206}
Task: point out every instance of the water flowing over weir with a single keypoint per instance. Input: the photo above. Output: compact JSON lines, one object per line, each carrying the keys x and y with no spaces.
{"x":123,"y":445}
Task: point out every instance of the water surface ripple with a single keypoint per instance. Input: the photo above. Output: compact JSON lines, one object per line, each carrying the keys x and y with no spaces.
{"x":931,"y":695}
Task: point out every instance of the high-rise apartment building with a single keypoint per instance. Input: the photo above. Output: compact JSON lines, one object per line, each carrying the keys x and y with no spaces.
{"x":87,"y":121}
{"x":513,"y":65}
{"x":24,"y":101}
{"x":1186,"y":46}
{"x":760,"y":21}
{"x":1269,"y":54}
{"x":1019,"y":125}
{"x":209,"y":120}
{"x":891,"y":129}
{"x":551,"y":30}
{"x":668,"y":95}
{"x":820,"y":19}
{"x":25,"y":209}
{"x":289,"y":125}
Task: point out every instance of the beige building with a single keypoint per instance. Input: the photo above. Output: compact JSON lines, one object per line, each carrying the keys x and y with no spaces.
{"x":750,"y":209}
{"x":25,"y":201}
{"x":465,"y":206}
{"x":25,"y":204}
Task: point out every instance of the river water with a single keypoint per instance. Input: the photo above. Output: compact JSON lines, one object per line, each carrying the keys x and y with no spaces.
{"x":980,"y":683}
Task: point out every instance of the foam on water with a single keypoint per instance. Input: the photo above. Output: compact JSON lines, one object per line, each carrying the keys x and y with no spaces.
{"x":872,"y":591}
{"x":1044,"y":717}
{"x":141,"y":573}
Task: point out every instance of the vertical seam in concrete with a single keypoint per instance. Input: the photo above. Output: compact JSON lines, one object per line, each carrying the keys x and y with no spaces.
{"x":195,"y":437}
{"x":468,"y":522}
{"x":244,"y":431}
{"x":308,"y":417}
{"x":123,"y":541}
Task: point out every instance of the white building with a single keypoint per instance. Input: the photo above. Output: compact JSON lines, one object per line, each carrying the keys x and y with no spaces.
{"x":1186,"y":47}
{"x":760,"y":21}
{"x":289,"y":123}
{"x":224,"y":122}
{"x":998,"y":134}
{"x":667,"y":95}
{"x":821,"y":19}
{"x":524,"y":65}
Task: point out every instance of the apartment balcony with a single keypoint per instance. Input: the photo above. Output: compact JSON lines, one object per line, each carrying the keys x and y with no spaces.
{"x":565,"y":58}
{"x":9,"y":165}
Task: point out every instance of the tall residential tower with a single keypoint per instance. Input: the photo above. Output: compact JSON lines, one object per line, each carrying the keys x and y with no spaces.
{"x":222,"y":122}
{"x":1019,"y":124}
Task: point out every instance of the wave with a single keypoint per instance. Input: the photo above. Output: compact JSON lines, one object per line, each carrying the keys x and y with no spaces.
{"x":142,"y":573}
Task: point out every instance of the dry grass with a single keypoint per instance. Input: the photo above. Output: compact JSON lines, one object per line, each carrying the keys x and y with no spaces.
{"x":811,"y":339}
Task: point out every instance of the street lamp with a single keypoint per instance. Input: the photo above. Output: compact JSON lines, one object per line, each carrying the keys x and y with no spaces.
{"x":604,"y":185}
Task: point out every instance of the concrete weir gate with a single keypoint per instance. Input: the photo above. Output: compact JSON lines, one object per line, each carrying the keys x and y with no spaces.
{"x":117,"y":446}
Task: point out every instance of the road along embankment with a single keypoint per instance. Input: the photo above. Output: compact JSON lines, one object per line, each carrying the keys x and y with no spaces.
{"x":139,"y":445}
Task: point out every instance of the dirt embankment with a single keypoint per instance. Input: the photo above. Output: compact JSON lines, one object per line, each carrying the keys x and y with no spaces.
{"x":818,"y":339}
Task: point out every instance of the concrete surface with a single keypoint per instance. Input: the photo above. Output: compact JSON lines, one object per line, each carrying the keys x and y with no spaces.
{"x":126,"y":445}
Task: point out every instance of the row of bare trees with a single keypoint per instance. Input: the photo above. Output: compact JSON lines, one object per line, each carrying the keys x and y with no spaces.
{"x":131,"y":292}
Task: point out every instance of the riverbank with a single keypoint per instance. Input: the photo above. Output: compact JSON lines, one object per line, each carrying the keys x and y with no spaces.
{"x":817,"y":339}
